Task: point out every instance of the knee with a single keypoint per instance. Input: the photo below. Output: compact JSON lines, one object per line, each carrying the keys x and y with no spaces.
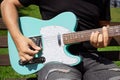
{"x":56,"y":71}
{"x":90,"y":76}
{"x":115,"y":78}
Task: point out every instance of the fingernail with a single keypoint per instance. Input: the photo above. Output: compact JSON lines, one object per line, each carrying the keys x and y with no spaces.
{"x":92,"y":32}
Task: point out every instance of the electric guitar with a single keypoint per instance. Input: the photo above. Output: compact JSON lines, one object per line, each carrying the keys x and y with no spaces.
{"x":53,"y":36}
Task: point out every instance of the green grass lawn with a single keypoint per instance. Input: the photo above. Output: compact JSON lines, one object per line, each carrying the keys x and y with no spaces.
{"x":8,"y":72}
{"x":110,"y":48}
{"x":115,"y":14}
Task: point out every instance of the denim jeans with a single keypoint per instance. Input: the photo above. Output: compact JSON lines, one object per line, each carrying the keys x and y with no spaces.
{"x":92,"y":67}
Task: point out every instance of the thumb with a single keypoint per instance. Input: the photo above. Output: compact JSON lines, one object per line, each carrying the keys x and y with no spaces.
{"x":34,"y":46}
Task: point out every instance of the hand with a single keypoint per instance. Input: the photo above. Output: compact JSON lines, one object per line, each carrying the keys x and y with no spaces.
{"x":23,"y":45}
{"x":100,"y":40}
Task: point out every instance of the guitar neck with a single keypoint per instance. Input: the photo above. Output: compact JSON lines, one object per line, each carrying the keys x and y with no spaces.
{"x":82,"y":36}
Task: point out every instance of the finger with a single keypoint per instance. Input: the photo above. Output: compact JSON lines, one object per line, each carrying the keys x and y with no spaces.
{"x":34,"y":46}
{"x":25,"y":56}
{"x":95,"y":38}
{"x":105,"y":36}
{"x":31,"y":52}
{"x":92,"y":37}
{"x":100,"y":41}
{"x":107,"y":26}
{"x":28,"y":57}
{"x":22,"y":58}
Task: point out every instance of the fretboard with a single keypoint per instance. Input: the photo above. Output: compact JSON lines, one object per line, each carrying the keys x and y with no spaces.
{"x":81,"y":36}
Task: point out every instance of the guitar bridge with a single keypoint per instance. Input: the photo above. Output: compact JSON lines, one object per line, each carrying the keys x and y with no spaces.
{"x":32,"y":61}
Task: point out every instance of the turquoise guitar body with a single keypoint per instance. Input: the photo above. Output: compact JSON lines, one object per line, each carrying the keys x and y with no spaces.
{"x":51,"y":32}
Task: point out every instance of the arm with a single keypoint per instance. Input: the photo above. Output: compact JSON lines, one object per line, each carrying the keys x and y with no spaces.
{"x":99,"y":40}
{"x":10,"y":17}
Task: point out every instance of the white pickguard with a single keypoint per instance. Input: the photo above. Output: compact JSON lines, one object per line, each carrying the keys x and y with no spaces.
{"x":52,"y":51}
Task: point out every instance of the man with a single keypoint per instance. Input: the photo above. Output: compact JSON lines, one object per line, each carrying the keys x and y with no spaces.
{"x":91,"y":14}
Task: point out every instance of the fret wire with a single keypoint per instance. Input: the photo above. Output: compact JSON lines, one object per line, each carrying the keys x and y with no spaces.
{"x":114,"y":30}
{"x":85,"y":35}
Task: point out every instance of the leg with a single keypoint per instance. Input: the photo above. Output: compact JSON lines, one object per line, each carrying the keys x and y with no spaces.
{"x":104,"y":74}
{"x":58,"y":71}
{"x":98,"y":68}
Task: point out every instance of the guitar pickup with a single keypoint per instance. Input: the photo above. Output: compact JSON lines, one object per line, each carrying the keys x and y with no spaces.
{"x":32,"y":61}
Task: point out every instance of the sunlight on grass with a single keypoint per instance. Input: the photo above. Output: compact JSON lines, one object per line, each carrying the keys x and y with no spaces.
{"x":8,"y":72}
{"x":110,"y":48}
{"x":115,"y":14}
{"x":117,"y":63}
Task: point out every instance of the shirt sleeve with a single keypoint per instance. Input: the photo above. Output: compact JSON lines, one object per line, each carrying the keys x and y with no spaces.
{"x":29,"y":2}
{"x":105,"y":11}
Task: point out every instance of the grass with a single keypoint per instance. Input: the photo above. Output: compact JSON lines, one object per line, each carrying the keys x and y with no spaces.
{"x":115,"y":14}
{"x":8,"y":72}
{"x":32,"y":11}
{"x":3,"y":50}
{"x":3,"y":33}
{"x":109,"y":48}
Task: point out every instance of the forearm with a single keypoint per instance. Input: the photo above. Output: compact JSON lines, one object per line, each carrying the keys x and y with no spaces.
{"x":10,"y":17}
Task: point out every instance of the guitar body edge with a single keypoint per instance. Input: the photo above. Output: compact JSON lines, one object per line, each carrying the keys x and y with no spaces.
{"x":31,"y":27}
